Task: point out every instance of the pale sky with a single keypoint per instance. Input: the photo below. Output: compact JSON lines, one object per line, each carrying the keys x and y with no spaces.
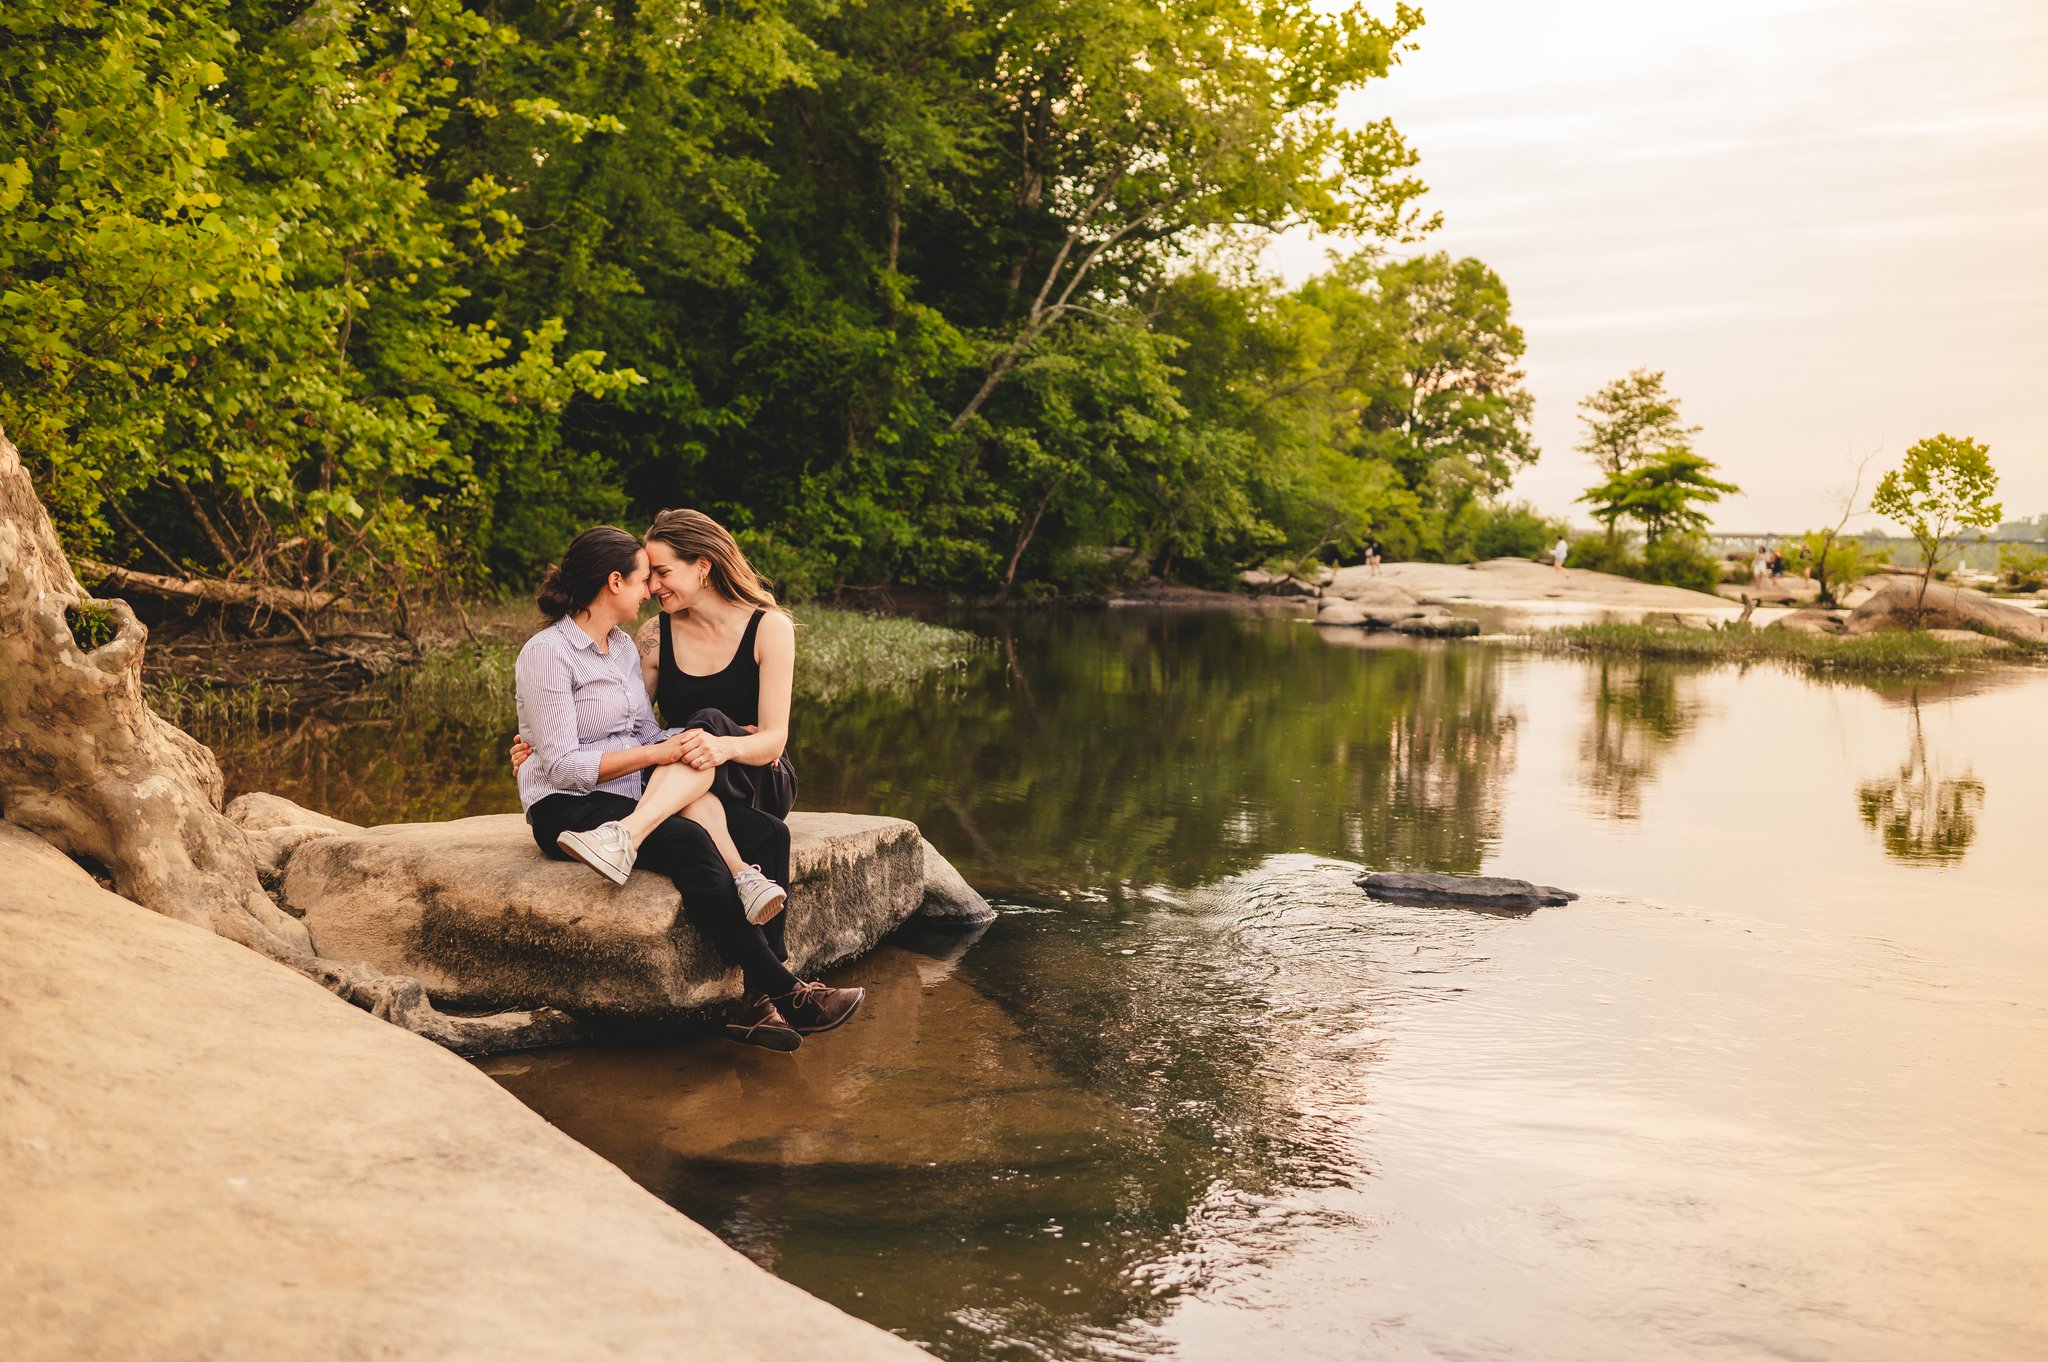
{"x":1825,"y":220}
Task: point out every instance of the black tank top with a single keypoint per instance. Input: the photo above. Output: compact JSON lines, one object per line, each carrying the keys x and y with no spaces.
{"x":736,"y":690}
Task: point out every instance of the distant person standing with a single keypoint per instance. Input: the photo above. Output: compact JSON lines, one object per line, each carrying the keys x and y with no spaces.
{"x":1559,"y":552}
{"x":1372,"y":555}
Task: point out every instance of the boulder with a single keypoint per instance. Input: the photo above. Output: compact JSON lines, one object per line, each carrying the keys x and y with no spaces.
{"x":1811,"y":620}
{"x":276,"y":828}
{"x":1371,"y":592}
{"x":1893,"y":606}
{"x":475,"y":912}
{"x":1464,"y":891}
{"x":948,"y":898}
{"x":1337,"y":613}
{"x":1262,"y":583}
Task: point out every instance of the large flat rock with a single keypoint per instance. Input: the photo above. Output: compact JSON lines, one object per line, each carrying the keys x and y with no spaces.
{"x":208,"y":1156}
{"x":474,"y":911}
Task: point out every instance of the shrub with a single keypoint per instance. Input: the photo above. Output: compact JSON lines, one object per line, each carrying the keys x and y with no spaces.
{"x":1514,"y":530}
{"x":1594,"y":553}
{"x":2021,"y":568}
{"x":1681,"y":560}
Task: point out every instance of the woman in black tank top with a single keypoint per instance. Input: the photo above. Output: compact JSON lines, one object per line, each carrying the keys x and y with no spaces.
{"x":727,"y":703}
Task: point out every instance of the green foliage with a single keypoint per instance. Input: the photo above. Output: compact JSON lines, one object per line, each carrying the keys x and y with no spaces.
{"x":230,"y":303}
{"x":1874,"y":655}
{"x":1836,"y":560}
{"x":1631,"y":420}
{"x":1603,"y":553}
{"x":92,"y":625}
{"x":1681,"y":560}
{"x":374,"y":298}
{"x":1664,"y":494}
{"x":1944,"y":487}
{"x":1485,"y":529}
{"x":2021,"y":568}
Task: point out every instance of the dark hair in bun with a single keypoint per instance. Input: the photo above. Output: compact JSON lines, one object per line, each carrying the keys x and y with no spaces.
{"x":588,"y":563}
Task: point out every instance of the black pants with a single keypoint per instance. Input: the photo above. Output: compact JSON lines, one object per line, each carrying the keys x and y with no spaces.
{"x":683,"y":851}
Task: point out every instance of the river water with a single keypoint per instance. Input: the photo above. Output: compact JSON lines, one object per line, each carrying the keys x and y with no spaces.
{"x":1775,"y":1086}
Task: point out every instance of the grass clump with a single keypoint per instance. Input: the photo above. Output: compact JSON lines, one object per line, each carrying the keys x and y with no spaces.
{"x":208,"y":709}
{"x":1887,"y":654}
{"x":842,"y":651}
{"x":838,"y":652}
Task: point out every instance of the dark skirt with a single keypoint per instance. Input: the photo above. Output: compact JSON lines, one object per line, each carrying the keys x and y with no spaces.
{"x":770,"y":788}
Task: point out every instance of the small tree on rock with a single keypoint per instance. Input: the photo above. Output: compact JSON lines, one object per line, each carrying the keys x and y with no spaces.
{"x":1945,"y":487}
{"x":1665,"y":495}
{"x":1630,"y":421}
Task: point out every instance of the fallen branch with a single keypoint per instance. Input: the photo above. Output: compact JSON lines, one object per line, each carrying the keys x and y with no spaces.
{"x":210,"y":589}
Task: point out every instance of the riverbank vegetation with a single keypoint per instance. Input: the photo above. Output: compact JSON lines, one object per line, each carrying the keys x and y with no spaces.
{"x":376,"y":304}
{"x":1900,"y":654}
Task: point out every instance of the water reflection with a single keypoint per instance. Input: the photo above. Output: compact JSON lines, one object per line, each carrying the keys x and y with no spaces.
{"x":1922,"y":814}
{"x":1042,"y":1147}
{"x":1638,"y":713}
{"x":1107,"y":757}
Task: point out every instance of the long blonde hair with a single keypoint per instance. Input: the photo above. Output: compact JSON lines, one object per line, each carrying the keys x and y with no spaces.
{"x":693,"y":535}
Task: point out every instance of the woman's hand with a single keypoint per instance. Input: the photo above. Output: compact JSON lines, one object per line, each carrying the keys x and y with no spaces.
{"x":521,"y":750}
{"x":705,"y":750}
{"x":669,"y":750}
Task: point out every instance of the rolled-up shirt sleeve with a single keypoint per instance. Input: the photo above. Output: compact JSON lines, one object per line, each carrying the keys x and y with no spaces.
{"x":547,"y":719}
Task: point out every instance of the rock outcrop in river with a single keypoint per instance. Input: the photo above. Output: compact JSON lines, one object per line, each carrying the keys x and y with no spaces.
{"x":1371,"y":604}
{"x":475,"y":912}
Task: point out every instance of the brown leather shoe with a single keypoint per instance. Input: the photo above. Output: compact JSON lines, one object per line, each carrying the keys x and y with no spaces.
{"x":815,"y":1007}
{"x":759,"y":1022}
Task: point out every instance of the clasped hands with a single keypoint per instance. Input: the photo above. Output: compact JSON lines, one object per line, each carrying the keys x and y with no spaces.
{"x":693,"y":747}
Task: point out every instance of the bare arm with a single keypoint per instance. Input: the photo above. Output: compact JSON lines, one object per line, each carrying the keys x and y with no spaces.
{"x":775,"y":650}
{"x":648,"y":641}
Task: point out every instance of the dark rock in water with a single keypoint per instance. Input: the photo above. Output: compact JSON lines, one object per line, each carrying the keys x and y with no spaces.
{"x":1438,"y":625}
{"x":1471,"y":891}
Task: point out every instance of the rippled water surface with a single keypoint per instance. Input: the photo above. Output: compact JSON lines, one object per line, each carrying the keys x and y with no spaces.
{"x":1775,"y":1086}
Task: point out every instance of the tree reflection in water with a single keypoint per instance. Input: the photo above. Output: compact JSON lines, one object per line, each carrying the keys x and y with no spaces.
{"x":1639,"y":712}
{"x":1922,"y":815}
{"x":1104,"y":756}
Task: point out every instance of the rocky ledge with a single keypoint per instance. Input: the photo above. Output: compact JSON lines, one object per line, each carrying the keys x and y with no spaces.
{"x":472,"y":910}
{"x":1382,"y":605}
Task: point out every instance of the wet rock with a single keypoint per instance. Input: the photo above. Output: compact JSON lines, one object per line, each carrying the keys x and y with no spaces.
{"x":1437,"y":624}
{"x":1469,"y":891}
{"x":475,"y":912}
{"x":1896,"y":604}
{"x":1337,"y":613}
{"x":949,"y":900}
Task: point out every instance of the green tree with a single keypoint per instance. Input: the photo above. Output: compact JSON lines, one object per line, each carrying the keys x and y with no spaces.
{"x":1630,"y":421}
{"x":230,"y":331}
{"x":1945,"y":486}
{"x":1665,"y":494}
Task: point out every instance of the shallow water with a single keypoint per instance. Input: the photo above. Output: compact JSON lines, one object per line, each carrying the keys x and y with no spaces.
{"x":1774,"y":1086}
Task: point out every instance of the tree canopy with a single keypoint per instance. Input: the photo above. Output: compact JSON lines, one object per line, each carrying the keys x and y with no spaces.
{"x":350,"y":296}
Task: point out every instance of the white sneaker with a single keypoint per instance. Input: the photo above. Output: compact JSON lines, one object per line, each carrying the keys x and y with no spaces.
{"x":608,"y":849}
{"x":760,"y":896}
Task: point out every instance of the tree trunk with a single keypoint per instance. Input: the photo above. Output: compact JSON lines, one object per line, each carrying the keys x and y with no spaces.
{"x":88,"y":767}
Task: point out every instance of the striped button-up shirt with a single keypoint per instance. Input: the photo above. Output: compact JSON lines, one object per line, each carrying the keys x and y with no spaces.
{"x":576,"y":704}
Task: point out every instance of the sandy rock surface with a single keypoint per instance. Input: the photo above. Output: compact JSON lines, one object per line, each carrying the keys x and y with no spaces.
{"x":474,"y":911}
{"x":1517,"y":582}
{"x":208,"y":1156}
